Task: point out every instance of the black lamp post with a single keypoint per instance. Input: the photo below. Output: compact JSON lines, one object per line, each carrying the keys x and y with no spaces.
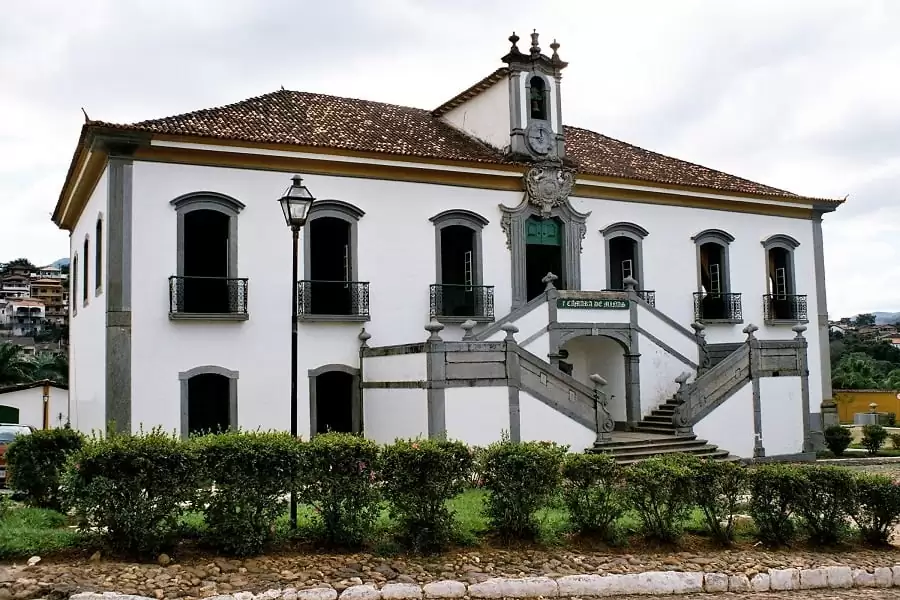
{"x":295,"y":204}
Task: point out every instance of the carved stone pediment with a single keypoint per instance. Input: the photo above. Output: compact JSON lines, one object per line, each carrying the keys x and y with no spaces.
{"x":548,"y":185}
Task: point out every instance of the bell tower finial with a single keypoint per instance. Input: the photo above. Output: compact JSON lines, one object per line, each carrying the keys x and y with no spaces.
{"x":535,"y":49}
{"x":513,"y":39}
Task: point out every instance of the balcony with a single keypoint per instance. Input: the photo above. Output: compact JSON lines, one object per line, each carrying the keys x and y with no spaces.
{"x":208,"y":298}
{"x":456,"y":303}
{"x":786,"y":309}
{"x":341,"y":301}
{"x":648,"y":296}
{"x":717,"y":308}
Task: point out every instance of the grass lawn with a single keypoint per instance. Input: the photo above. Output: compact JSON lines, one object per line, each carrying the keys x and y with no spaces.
{"x":25,"y":532}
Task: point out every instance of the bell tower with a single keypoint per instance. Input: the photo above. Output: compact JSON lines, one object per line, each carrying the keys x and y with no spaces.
{"x":535,"y":114}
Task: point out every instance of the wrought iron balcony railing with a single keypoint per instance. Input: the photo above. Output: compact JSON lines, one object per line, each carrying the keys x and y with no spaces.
{"x":784,"y":307}
{"x":208,"y":296}
{"x":717,"y":307}
{"x":648,"y":296}
{"x":459,"y":301}
{"x":335,"y":300}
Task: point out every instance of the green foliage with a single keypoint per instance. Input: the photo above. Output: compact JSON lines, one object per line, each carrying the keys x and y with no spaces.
{"x":719,"y":488}
{"x":339,"y":482}
{"x":419,"y":478}
{"x":875,"y":507}
{"x":773,"y":499}
{"x":864,"y":319}
{"x":895,"y":441}
{"x":873,"y":438}
{"x":132,"y":489}
{"x":891,"y":418}
{"x":521,"y":477}
{"x":250,"y":473}
{"x":593,"y":492}
{"x":50,"y":365}
{"x":661,"y":489}
{"x":837,"y":439}
{"x":14,"y":365}
{"x":823,"y":500}
{"x":36,"y":462}
{"x":26,"y":531}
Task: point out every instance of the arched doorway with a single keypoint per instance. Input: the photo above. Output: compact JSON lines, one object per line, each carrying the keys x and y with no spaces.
{"x":208,"y":400}
{"x":334,"y":400}
{"x":604,"y":356}
{"x":330,"y":266}
{"x":206,"y":261}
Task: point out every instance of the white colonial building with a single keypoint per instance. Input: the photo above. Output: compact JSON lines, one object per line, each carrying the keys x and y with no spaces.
{"x":537,"y":256}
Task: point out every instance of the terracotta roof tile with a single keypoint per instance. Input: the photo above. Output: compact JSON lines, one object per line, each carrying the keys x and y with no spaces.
{"x":318,"y":120}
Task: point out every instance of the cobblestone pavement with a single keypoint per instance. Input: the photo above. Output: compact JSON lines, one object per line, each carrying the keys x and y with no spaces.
{"x":853,"y":594}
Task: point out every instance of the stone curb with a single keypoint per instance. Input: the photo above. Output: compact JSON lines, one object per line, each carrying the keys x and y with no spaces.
{"x":651,"y":583}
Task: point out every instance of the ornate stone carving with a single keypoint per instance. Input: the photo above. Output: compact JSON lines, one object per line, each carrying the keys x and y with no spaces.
{"x":548,"y":186}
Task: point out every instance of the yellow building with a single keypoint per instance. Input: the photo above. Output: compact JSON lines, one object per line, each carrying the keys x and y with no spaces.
{"x":850,"y":402}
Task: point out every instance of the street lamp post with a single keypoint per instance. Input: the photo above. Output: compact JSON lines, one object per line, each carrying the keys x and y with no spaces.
{"x":295,"y":204}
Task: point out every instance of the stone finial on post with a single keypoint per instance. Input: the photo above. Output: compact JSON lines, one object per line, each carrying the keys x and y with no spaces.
{"x":434,"y":328}
{"x":681,"y":418}
{"x":630,"y":284}
{"x":364,"y":337}
{"x":799,"y":328}
{"x":511,"y":331}
{"x":604,"y":421}
{"x":548,"y":280}
{"x":702,"y":350}
{"x":682,"y":379}
{"x":750,"y":329}
{"x":468,"y":328}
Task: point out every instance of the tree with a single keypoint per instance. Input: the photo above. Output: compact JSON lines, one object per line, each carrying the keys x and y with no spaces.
{"x":863,"y":319}
{"x":14,"y":365}
{"x":19,"y":262}
{"x":856,"y":371}
{"x":50,"y":365}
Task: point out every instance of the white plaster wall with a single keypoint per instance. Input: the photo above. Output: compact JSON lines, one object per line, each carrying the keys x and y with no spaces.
{"x":31,"y":406}
{"x":87,"y":327}
{"x":592,"y":315}
{"x":730,"y":426}
{"x":540,"y":346}
{"x":390,"y":414}
{"x":486,"y":116}
{"x":539,"y":422}
{"x":781,"y":405}
{"x":399,"y":367}
{"x":658,"y":372}
{"x":667,"y":334}
{"x":478,"y":415}
{"x":528,"y":324}
{"x":604,"y":356}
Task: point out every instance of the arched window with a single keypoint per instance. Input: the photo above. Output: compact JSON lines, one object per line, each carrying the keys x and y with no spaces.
{"x":458,"y":293}
{"x":206,"y":283}
{"x":98,"y":256}
{"x":208,"y":400}
{"x":537,"y":98}
{"x":85,"y":265}
{"x":330,"y":289}
{"x":782,"y":303}
{"x":73,"y":285}
{"x":334,"y":399}
{"x":714,"y":300}
{"x":624,"y":254}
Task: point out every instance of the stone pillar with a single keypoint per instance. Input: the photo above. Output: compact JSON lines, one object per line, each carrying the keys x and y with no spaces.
{"x":803,"y":363}
{"x":758,"y":449}
{"x":435,"y":368}
{"x":513,"y":382}
{"x":632,"y":388}
{"x":682,"y":420}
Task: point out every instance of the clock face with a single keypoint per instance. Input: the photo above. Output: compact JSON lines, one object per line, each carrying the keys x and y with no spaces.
{"x":540,"y":137}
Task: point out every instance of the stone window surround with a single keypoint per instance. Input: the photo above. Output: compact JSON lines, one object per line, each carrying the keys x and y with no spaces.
{"x":73,"y":293}
{"x":464,"y":218}
{"x":574,"y":230}
{"x":785,"y":242}
{"x":356,"y":397}
{"x":634,"y":232}
{"x":99,"y":271}
{"x":723,"y":239}
{"x":85,"y":267}
{"x":232,"y":376}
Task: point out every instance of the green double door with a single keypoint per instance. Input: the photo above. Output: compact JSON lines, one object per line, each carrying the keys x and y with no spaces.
{"x":543,"y":254}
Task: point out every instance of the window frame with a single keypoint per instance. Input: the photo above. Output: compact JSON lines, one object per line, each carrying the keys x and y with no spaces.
{"x":98,"y":256}
{"x":73,"y":284}
{"x":184,"y":378}
{"x":633,"y":232}
{"x":85,"y":267}
{"x":206,"y":200}
{"x":723,"y":239}
{"x":462,"y":218}
{"x":336,"y":209}
{"x":788,"y":244}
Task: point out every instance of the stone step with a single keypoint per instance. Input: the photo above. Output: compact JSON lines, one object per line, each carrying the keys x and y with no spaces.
{"x":655,"y":429}
{"x":657,"y":422}
{"x":669,"y":442}
{"x":705,"y":450}
{"x":657,"y":419}
{"x":719,"y":455}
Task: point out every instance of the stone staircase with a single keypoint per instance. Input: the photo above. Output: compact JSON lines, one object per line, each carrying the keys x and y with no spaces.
{"x":629,"y":448}
{"x":660,"y":420}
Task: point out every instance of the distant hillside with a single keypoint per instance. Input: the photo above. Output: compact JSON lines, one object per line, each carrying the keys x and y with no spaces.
{"x":61,"y":263}
{"x":886,"y":318}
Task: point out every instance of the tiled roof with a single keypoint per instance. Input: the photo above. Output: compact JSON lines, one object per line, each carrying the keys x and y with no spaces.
{"x":318,"y":120}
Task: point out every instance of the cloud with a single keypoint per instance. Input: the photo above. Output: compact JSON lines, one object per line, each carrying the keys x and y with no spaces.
{"x":800,"y":95}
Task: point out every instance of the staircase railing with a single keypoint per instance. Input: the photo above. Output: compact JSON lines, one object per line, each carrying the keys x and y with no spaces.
{"x":699,"y":398}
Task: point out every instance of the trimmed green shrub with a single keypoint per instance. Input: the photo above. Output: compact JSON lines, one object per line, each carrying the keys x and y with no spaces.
{"x":773,"y":499}
{"x":895,"y":441}
{"x":521,"y":478}
{"x":823,"y":501}
{"x":419,"y":477}
{"x":338,"y":480}
{"x":593,"y":493}
{"x":837,"y":438}
{"x":661,"y":490}
{"x":875,"y":507}
{"x":873,"y":439}
{"x":132,"y":489}
{"x":719,"y":488}
{"x":36,"y":462}
{"x":891,"y":419}
{"x":250,"y":472}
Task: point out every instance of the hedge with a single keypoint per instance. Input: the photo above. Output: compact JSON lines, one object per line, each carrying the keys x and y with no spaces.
{"x":132,"y":491}
{"x":36,"y":462}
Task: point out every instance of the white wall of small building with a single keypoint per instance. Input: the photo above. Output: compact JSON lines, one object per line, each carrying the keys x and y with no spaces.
{"x":730,"y":426}
{"x":30,"y":404}
{"x":87,"y":323}
{"x":486,"y":116}
{"x":781,"y":408}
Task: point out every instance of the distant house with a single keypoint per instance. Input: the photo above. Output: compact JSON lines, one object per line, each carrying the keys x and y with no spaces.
{"x":41,"y":404}
{"x":23,"y":316}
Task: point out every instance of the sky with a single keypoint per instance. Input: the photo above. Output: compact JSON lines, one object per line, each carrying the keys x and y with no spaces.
{"x":802,"y":95}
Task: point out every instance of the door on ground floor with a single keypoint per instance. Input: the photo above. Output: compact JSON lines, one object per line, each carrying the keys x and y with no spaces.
{"x":334,"y":401}
{"x":209,"y":403}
